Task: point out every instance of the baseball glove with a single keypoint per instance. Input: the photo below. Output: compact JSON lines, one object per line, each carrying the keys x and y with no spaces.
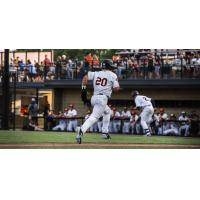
{"x":84,"y":95}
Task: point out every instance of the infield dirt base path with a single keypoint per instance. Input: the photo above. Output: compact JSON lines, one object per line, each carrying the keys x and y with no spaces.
{"x":95,"y":145}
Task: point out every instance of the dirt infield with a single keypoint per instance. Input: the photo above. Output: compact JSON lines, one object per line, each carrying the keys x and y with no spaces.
{"x":93,"y":145}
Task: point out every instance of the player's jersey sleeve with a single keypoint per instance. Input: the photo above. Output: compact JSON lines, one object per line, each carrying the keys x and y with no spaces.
{"x":137,"y":102}
{"x":91,"y":75}
{"x":115,"y":81}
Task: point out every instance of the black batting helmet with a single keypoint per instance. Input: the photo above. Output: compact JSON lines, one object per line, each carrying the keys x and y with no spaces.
{"x":134,"y":93}
{"x":108,"y":64}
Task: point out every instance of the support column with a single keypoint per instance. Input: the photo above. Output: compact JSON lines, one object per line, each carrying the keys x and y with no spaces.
{"x":5,"y":92}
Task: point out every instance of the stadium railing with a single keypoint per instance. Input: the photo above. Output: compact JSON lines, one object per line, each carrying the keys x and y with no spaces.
{"x":142,"y":72}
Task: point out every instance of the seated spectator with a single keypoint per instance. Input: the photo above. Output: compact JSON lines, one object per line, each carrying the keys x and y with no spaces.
{"x":51,"y":73}
{"x":172,"y":127}
{"x":184,"y":127}
{"x":50,"y":120}
{"x":32,"y":125}
{"x":62,"y":124}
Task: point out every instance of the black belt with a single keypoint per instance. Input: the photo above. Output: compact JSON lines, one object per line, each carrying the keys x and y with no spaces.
{"x":103,"y":94}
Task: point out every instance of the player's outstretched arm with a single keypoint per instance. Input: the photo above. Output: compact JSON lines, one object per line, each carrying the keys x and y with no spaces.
{"x":84,"y":81}
{"x":83,"y":89}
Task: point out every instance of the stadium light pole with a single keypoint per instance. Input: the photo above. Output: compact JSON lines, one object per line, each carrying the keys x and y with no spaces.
{"x":5,"y":91}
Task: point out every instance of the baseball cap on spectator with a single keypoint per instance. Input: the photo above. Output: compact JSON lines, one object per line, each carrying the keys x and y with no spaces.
{"x":33,"y":99}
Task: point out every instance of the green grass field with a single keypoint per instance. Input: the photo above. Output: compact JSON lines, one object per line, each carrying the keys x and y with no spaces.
{"x":90,"y":140}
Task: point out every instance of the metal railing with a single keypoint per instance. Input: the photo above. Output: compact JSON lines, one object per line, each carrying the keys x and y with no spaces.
{"x":141,"y":71}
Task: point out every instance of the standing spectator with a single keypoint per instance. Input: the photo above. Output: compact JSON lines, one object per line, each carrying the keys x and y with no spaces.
{"x":184,"y":124}
{"x":46,"y":113}
{"x":151,"y":67}
{"x":33,"y":110}
{"x":194,"y":123}
{"x":95,"y":61}
{"x":69,"y":69}
{"x":58,"y":68}
{"x":157,"y":67}
{"x":64,"y":66}
{"x":32,"y":70}
{"x":47,"y":63}
{"x":88,"y":58}
{"x":126,"y":115}
{"x":134,"y":123}
{"x":116,"y":120}
{"x":163,"y":117}
{"x":72,"y":114}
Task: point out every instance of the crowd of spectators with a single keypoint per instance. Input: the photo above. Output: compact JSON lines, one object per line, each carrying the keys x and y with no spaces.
{"x":142,"y":64}
{"x":127,"y":121}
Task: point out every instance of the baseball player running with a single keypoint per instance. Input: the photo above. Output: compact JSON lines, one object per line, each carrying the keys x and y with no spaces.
{"x":103,"y":83}
{"x":144,"y":104}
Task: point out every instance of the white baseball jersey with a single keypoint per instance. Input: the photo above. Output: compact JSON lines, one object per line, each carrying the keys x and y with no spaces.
{"x":126,"y":114}
{"x":142,"y":101}
{"x":103,"y":82}
{"x":72,"y":113}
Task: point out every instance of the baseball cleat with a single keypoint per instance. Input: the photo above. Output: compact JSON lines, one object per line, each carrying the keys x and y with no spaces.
{"x":78,"y":140}
{"x":78,"y":136}
{"x":106,"y":136}
{"x":148,"y":134}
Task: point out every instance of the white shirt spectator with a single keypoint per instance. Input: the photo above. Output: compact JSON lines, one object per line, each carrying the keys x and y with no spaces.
{"x":72,"y":113}
{"x":126,"y":114}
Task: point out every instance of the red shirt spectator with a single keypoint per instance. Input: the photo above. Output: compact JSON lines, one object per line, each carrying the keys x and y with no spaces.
{"x":88,"y":58}
{"x":46,"y":61}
